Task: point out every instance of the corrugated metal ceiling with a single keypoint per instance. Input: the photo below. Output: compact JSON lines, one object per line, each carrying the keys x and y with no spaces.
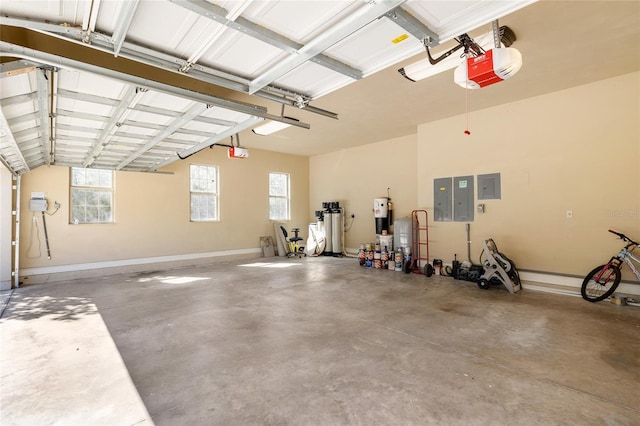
{"x":131,"y":85}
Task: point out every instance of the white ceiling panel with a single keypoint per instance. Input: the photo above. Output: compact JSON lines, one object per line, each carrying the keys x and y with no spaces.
{"x":19,"y":110}
{"x":437,"y":14}
{"x":192,"y":33}
{"x":163,"y":25}
{"x":225,"y":114}
{"x":23,"y":125}
{"x":146,"y":117}
{"x":300,"y":21}
{"x":73,"y":121}
{"x":376,"y":46}
{"x":83,"y":106}
{"x":131,"y":127}
{"x":18,"y":85}
{"x":203,"y":127}
{"x":450,"y":19}
{"x":81,"y":132}
{"x":163,"y":100}
{"x":70,"y":11}
{"x":313,"y":80}
{"x":244,"y":55}
{"x":27,"y":131}
{"x":93,"y":84}
{"x":109,"y":14}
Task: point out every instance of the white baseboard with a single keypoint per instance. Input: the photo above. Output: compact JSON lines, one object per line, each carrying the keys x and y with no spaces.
{"x":554,"y":283}
{"x":82,"y":270}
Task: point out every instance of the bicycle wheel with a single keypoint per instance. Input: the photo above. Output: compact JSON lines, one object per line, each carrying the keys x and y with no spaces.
{"x":596,"y":290}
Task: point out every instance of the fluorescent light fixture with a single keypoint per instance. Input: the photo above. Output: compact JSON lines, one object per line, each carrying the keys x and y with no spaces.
{"x":272,"y":127}
{"x":423,"y":69}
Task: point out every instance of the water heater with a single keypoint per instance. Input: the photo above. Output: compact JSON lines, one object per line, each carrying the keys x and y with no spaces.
{"x":380,"y":207}
{"x":381,"y":214}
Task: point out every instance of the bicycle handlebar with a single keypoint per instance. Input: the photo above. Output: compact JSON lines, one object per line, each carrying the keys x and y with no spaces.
{"x":624,"y":237}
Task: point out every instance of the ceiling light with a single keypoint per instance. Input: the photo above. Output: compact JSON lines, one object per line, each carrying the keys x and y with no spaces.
{"x":277,"y":124}
{"x":272,"y":127}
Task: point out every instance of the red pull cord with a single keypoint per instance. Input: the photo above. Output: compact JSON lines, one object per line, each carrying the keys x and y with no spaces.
{"x":466,"y":104}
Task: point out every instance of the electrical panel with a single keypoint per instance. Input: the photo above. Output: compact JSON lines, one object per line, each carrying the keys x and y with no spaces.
{"x":463,"y":193}
{"x":442,"y":201}
{"x":38,"y":204}
{"x":456,"y":195}
{"x":489,"y":187}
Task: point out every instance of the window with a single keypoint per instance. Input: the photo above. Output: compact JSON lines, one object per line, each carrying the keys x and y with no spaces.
{"x":279,"y":196}
{"x":204,"y":193}
{"x":91,"y":196}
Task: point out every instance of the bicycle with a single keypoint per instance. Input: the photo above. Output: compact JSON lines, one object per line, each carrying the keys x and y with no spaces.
{"x":603,"y":280}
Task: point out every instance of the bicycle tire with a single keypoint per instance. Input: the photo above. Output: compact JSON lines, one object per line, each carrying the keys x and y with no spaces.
{"x":595,"y":291}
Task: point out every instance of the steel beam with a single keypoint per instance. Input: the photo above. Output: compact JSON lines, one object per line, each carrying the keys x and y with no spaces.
{"x":81,"y":115}
{"x":127,"y":12}
{"x":244,"y":26}
{"x":21,"y":119}
{"x":14,"y":150}
{"x":127,"y":135}
{"x":368,"y":13}
{"x":142,"y":125}
{"x":30,"y":44}
{"x":116,"y":116}
{"x":25,"y":133}
{"x":170,"y":63}
{"x":44,"y":114}
{"x":212,"y":140}
{"x":86,"y":97}
{"x":19,"y":99}
{"x":194,"y":111}
{"x":48,"y":27}
{"x":412,"y":25}
{"x":9,"y":69}
{"x":79,"y":139}
{"x":216,"y":121}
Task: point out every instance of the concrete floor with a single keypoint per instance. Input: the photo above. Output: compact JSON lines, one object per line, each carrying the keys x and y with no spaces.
{"x":316,"y":341}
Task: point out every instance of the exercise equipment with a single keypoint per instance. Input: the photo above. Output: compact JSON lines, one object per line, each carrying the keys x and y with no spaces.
{"x":498,"y":269}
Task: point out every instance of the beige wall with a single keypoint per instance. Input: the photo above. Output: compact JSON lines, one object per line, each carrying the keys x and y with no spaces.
{"x":356,"y":176}
{"x":152,"y":211}
{"x":577,"y":150}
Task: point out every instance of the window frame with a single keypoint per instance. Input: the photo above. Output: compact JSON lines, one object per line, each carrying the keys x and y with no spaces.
{"x":215,"y":193}
{"x":276,"y":196}
{"x":111,"y":190}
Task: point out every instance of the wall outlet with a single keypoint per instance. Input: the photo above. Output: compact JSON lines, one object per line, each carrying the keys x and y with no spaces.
{"x":569,"y":214}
